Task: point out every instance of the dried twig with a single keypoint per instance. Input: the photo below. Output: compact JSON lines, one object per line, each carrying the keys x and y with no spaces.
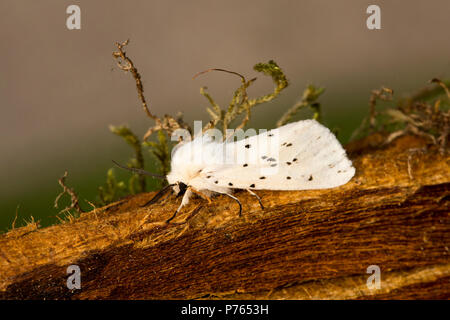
{"x":13,"y":226}
{"x":73,"y":196}
{"x":416,"y":114}
{"x":238,"y":104}
{"x":442,"y":84}
{"x":382,"y":94}
{"x":219,"y":69}
{"x":125,"y":63}
{"x":369,"y":123}
{"x":168,"y":123}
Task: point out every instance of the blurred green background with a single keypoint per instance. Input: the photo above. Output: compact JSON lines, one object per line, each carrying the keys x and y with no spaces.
{"x":60,"y":89}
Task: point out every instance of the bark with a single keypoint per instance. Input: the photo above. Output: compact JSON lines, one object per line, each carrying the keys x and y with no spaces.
{"x":305,"y":245}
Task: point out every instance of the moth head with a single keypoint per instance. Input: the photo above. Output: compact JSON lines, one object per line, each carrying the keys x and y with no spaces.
{"x":180,"y":188}
{"x":178,"y":177}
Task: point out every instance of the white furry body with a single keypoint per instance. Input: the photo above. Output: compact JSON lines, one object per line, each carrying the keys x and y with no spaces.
{"x":298,"y":156}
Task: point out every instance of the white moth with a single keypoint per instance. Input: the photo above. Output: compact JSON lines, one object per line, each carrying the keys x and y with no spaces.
{"x":301,"y":155}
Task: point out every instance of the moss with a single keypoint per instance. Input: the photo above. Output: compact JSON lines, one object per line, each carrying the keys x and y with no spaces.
{"x":309,"y":99}
{"x":112,"y":190}
{"x":409,"y":115}
{"x":160,"y":150}
{"x":424,"y":113}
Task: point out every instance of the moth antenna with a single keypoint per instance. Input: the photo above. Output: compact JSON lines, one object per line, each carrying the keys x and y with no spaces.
{"x":158,"y":195}
{"x":139,"y":171}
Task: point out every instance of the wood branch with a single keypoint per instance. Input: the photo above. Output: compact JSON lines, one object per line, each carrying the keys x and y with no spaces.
{"x":305,"y":245}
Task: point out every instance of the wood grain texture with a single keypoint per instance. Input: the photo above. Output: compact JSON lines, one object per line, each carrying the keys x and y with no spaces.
{"x":305,"y":245}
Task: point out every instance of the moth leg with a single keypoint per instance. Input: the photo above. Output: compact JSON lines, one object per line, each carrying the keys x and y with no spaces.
{"x":184,"y":202}
{"x":237,"y":200}
{"x":257,"y":197}
{"x":201,"y":195}
{"x":191,"y":215}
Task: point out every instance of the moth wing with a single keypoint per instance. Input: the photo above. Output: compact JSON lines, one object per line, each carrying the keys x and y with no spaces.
{"x":298,"y":156}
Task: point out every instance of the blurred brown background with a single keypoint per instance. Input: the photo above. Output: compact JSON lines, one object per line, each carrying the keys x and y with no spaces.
{"x":60,"y":88}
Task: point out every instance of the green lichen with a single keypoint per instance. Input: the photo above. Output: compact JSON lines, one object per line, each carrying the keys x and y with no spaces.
{"x":115,"y":189}
{"x":112,"y":190}
{"x":309,"y":99}
{"x":240,"y":102}
{"x":137,"y":183}
{"x":160,"y":150}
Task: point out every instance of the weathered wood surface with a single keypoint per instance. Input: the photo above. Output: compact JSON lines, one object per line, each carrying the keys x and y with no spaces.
{"x":305,"y":245}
